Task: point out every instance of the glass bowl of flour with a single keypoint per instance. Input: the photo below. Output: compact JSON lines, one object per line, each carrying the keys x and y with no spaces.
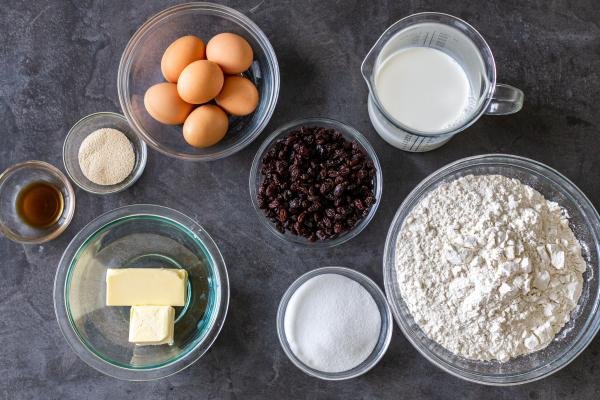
{"x":491,"y":269}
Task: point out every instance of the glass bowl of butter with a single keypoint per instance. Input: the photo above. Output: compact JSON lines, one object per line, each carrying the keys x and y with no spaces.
{"x":141,"y":292}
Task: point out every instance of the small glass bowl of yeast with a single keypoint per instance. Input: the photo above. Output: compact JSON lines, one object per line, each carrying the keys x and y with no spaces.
{"x":81,"y":130}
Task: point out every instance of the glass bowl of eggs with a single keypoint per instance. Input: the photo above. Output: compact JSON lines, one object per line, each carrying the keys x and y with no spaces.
{"x":198,"y":81}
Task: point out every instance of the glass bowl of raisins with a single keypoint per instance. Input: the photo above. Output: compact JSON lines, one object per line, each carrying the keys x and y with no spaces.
{"x":316,"y":182}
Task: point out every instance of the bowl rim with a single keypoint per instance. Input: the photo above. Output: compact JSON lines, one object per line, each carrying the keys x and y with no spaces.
{"x":164,"y":369}
{"x":347,"y":131}
{"x":125,"y":65}
{"x":135,"y":174}
{"x":571,"y":190}
{"x":364,"y":281}
{"x":68,"y":212}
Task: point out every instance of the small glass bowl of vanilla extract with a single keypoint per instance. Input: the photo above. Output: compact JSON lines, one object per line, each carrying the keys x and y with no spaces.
{"x":37,"y":202}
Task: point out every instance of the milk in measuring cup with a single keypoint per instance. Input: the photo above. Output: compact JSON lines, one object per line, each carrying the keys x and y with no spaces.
{"x":424,"y":89}
{"x":430,"y":76}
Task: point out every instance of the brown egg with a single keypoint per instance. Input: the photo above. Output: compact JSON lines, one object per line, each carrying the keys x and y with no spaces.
{"x":200,"y":82}
{"x":205,"y":126}
{"x":164,"y":104}
{"x":179,"y":55}
{"x":232,"y":52}
{"x":238,"y":97}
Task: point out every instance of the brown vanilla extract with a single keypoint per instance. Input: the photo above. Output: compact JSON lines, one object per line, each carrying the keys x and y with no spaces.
{"x":40,"y":204}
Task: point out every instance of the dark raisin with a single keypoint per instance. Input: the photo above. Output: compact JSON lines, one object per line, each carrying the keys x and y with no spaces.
{"x":339,"y":190}
{"x":325,"y":187}
{"x":281,"y":167}
{"x":358,"y":204}
{"x":303,"y":151}
{"x":282,"y":215}
{"x":314,"y":207}
{"x":341,"y":210}
{"x":301,"y":217}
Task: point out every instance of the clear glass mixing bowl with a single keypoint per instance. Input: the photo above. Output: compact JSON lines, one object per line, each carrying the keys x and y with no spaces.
{"x":19,"y":176}
{"x":139,"y":236}
{"x":349,"y":134}
{"x":585,"y":319}
{"x":385,"y":333}
{"x":81,"y":130}
{"x":140,"y":68}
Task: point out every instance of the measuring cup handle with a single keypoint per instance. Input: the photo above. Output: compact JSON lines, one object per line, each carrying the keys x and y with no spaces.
{"x":505,"y":100}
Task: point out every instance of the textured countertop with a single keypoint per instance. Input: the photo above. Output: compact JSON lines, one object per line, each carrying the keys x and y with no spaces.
{"x":58,"y":62}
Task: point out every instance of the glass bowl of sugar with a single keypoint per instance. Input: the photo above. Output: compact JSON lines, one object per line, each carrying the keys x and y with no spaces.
{"x":584,"y":319}
{"x":334,"y":323}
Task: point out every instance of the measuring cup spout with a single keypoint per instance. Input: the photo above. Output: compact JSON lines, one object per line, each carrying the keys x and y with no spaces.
{"x":368,"y":65}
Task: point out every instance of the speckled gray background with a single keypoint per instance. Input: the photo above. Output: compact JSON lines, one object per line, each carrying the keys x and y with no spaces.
{"x":58,"y":62}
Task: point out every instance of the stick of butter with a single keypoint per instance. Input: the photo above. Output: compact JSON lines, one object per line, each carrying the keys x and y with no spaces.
{"x":146,"y":287}
{"x":151,"y":325}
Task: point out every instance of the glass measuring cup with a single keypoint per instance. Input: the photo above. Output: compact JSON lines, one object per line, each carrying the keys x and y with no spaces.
{"x":467,"y":47}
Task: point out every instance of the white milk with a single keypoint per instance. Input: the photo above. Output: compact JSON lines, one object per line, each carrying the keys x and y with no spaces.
{"x":423,"y":88}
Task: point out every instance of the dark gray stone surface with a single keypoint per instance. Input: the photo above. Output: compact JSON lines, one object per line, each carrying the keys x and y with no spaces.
{"x":58,"y":62}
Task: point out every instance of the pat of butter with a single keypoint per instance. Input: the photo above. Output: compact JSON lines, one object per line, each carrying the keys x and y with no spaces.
{"x":145,"y":286}
{"x":151,"y":325}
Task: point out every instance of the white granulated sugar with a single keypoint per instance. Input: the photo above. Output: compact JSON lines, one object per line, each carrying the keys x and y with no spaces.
{"x":489,"y":268}
{"x":332,"y":323}
{"x":106,"y":156}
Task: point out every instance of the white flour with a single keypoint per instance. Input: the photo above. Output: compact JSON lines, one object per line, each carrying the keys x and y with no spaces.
{"x":489,"y":268}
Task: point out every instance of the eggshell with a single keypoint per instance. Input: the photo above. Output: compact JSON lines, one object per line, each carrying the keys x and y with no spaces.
{"x":179,"y":55}
{"x":164,"y":104}
{"x":238,"y":97}
{"x":205,"y":126}
{"x":200,"y":82}
{"x":232,"y":52}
